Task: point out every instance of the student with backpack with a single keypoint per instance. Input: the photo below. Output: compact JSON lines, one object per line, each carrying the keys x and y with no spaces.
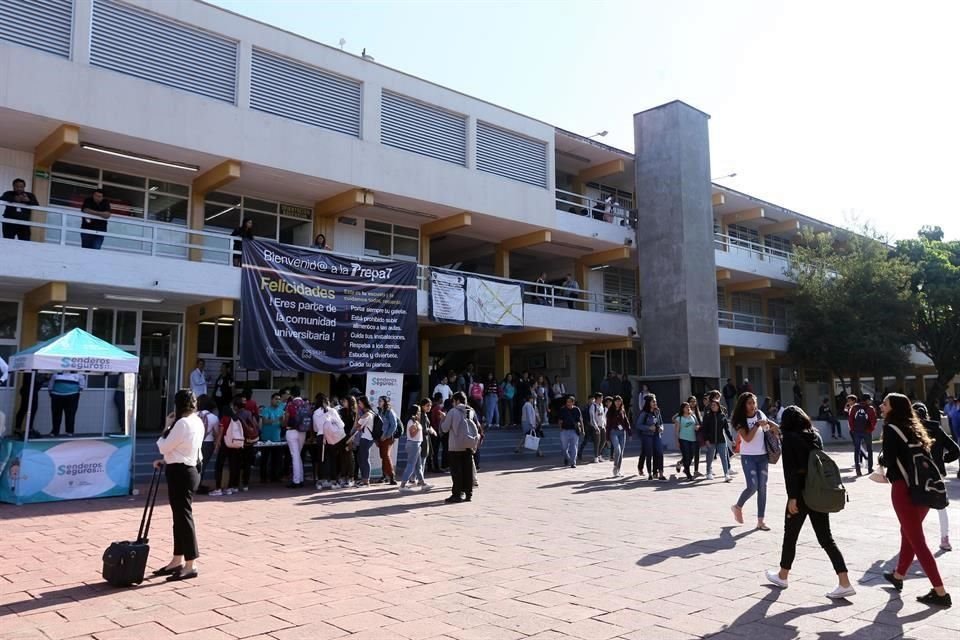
{"x":415,"y":436}
{"x":390,"y":431}
{"x":461,"y":425}
{"x":366,"y":418}
{"x":944,"y":450}
{"x":299,"y":422}
{"x":802,"y":453}
{"x":863,"y":421}
{"x":475,"y":393}
{"x":914,"y":489}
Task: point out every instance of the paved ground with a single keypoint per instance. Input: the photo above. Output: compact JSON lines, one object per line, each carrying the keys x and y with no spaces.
{"x":543,"y":553}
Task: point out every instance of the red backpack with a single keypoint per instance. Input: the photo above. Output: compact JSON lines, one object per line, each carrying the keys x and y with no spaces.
{"x":476,"y":391}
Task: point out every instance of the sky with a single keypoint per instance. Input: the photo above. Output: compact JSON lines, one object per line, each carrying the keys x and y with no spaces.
{"x":843,"y":111}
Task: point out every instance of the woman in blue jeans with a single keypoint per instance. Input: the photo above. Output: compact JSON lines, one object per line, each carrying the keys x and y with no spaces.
{"x":687,"y":428}
{"x":649,"y":425}
{"x":618,"y":429}
{"x":715,"y":432}
{"x":752,"y":426}
{"x":365,"y":427}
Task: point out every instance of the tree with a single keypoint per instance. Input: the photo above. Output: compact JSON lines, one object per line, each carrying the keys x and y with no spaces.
{"x":936,"y":319}
{"x":853,"y":305}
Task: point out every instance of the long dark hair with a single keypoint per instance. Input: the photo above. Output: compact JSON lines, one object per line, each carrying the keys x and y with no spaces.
{"x":902,"y":415}
{"x":795,"y":420}
{"x":649,"y":400}
{"x":739,"y":417}
{"x":613,"y":412}
{"x":185,"y":403}
{"x":363,"y":403}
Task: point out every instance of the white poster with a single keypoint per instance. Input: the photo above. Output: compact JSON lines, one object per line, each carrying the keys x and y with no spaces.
{"x":494,"y":303}
{"x":390,"y":385}
{"x":447,"y":296}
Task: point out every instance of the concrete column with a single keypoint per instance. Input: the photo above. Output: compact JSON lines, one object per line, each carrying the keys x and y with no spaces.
{"x":425,"y":368}
{"x":675,"y":250}
{"x":501,"y":361}
{"x":80,"y":41}
{"x":471,"y":142}
{"x":244,"y":70}
{"x":370,"y":112}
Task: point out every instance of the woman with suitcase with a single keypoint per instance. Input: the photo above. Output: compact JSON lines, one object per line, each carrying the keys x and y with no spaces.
{"x":180,"y":445}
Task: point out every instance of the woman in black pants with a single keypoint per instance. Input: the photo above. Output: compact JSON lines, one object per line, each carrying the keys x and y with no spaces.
{"x":799,"y":439}
{"x":180,"y":445}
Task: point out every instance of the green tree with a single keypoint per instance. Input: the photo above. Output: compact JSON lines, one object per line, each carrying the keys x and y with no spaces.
{"x":936,"y":319}
{"x":853,"y":305}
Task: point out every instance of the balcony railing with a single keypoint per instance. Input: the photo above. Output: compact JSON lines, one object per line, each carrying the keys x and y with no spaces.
{"x":131,"y":235}
{"x":755,"y":250}
{"x":748,"y":322}
{"x":616,"y":212}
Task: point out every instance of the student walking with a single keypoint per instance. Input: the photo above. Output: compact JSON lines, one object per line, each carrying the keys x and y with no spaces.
{"x":944,"y":451}
{"x":299,"y":422}
{"x":414,"y":469}
{"x":752,"y":425}
{"x":491,"y":401}
{"x":391,"y":424}
{"x":649,"y":425}
{"x":529,"y":424}
{"x":618,"y":430}
{"x":800,"y":439}
{"x":571,"y":428}
{"x":364,"y":426}
{"x":862,"y":422}
{"x":598,"y":425}
{"x":180,"y":445}
{"x":716,"y":433}
{"x":459,"y":423}
{"x":686,"y":438}
{"x":899,"y":418}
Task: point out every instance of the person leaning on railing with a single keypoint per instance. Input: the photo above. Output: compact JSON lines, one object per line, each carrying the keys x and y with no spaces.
{"x":99,"y":207}
{"x":19,"y":195}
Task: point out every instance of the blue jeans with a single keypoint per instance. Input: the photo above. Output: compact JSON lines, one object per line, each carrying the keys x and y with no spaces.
{"x":651,"y":453}
{"x":363,"y":453}
{"x":491,"y":410}
{"x":755,"y":473}
{"x":414,"y":464}
{"x":90,"y":241}
{"x":569,"y":441}
{"x":863,"y":441}
{"x":720,"y":450}
{"x":618,"y":440}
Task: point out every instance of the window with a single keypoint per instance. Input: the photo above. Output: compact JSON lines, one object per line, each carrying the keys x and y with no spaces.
{"x":619,"y":289}
{"x":748,"y":303}
{"x":742,"y":236}
{"x":216,"y":339}
{"x":384,"y":240}
{"x":779,"y":244}
{"x":286,"y":223}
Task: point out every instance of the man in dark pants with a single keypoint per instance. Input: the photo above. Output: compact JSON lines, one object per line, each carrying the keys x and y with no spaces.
{"x":98,"y":207}
{"x":462,"y":443}
{"x":862,"y":422}
{"x":25,"y":399}
{"x":19,"y":195}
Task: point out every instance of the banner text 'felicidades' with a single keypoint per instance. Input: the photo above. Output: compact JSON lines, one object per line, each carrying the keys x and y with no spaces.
{"x":355,"y":270}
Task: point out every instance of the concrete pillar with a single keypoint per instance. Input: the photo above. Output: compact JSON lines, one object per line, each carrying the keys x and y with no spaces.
{"x":80,"y":40}
{"x":245,"y":64}
{"x":501,"y":263}
{"x":582,"y":368}
{"x":471,"y":142}
{"x":425,"y":367}
{"x":501,"y":361}
{"x":675,"y":248}
{"x":370,"y":110}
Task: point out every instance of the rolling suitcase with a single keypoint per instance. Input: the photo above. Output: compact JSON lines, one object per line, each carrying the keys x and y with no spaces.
{"x":125,"y":563}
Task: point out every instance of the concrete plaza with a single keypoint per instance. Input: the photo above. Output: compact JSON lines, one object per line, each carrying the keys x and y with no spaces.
{"x":542,"y":553}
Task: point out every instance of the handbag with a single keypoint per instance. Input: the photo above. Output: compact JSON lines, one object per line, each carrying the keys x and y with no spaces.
{"x":531,"y":441}
{"x":772,"y":444}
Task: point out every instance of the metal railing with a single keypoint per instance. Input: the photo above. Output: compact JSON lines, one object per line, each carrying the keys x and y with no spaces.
{"x":615,"y":212}
{"x":131,"y":235}
{"x":748,"y":322}
{"x":755,"y":250}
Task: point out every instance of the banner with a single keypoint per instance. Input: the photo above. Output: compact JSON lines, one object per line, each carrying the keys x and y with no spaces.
{"x":494,"y":303}
{"x":448,"y":297}
{"x":303,"y":310}
{"x":390,"y":385}
{"x":40,"y":471}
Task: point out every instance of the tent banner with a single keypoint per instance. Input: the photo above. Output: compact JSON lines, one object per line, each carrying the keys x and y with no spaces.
{"x":494,"y":303}
{"x":302,"y":310}
{"x":448,"y":297}
{"x":47,"y":471}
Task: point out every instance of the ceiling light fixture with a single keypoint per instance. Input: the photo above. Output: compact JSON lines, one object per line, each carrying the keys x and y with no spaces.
{"x":139,"y":158}
{"x":115,"y":296}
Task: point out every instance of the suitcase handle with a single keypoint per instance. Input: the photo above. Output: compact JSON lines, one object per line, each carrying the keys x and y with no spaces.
{"x":147,"y":517}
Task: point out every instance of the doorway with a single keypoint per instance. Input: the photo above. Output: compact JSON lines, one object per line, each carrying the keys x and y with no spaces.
{"x":159,"y":374}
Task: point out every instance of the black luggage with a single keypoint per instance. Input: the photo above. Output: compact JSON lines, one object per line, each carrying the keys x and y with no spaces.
{"x":125,"y":563}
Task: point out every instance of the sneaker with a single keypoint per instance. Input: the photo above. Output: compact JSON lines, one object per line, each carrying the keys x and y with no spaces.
{"x":426,"y":487}
{"x":709,"y":476}
{"x":679,"y":466}
{"x":453,"y":500}
{"x":476,"y":482}
{"x":597,"y":459}
{"x":230,"y":492}
{"x":773,"y":577}
{"x":839,"y":593}
{"x":650,"y":476}
{"x":244,"y":488}
{"x":404,"y":487}
{"x":727,"y":478}
{"x":216,"y":493}
{"x":932,"y":598}
{"x":945,"y":544}
{"x":896,"y":582}
{"x":320,"y":486}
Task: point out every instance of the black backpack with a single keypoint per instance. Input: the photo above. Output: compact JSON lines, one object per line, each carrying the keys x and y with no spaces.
{"x":861,"y":419}
{"x":922,"y":476}
{"x":377,"y":427}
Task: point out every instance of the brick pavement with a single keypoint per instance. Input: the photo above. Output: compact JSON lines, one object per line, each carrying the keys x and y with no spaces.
{"x":543,"y":553}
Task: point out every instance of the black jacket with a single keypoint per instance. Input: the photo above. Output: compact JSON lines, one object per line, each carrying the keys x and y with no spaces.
{"x":944,"y":448}
{"x":795,"y":456}
{"x":714,"y":426}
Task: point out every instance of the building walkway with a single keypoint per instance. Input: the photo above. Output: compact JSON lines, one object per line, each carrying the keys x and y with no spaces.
{"x":543,"y":553}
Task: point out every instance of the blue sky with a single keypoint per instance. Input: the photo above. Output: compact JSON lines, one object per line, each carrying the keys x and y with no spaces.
{"x":845,"y":111}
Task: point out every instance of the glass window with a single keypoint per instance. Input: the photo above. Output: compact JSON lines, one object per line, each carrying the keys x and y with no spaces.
{"x":221,"y":217}
{"x":126,"y":328}
{"x":125,"y":201}
{"x":264,"y":224}
{"x":262,"y":206}
{"x":224,"y":340}
{"x":376,"y":244}
{"x":162,"y":316}
{"x":406,"y":247}
{"x":8,"y":319}
{"x":171,"y":188}
{"x":76,"y":170}
{"x":103,"y":324}
{"x":206,"y":337}
{"x":70,"y":193}
{"x":386,"y":240}
{"x":164,"y":208}
{"x":373,"y":225}
{"x":223,"y":198}
{"x":74,"y":318}
{"x":410,"y":232}
{"x":113,"y":177}
{"x":296,"y":232}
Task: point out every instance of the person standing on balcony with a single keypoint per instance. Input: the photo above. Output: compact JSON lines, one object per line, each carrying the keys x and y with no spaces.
{"x":99,"y":207}
{"x":243,"y":232}
{"x":573,"y":288}
{"x":540,"y":289}
{"x":320,"y":243}
{"x":19,"y":195}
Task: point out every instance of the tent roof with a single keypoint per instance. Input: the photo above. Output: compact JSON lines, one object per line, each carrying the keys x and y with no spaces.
{"x":76,"y":350}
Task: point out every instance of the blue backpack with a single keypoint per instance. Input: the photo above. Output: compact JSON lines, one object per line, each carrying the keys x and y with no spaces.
{"x":302,"y":421}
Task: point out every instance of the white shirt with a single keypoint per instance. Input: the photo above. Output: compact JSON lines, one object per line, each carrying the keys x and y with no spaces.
{"x":198,"y":383}
{"x":598,"y":416}
{"x":757,"y":446}
{"x":3,"y":371}
{"x":211,"y":425}
{"x":182,"y":444}
{"x":419,"y":436}
{"x":328,"y":424}
{"x":444,"y":390}
{"x":559,"y":389}
{"x":366,"y":426}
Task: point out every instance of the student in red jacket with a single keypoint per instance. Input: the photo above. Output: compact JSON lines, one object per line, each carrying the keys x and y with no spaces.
{"x":863,"y":421}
